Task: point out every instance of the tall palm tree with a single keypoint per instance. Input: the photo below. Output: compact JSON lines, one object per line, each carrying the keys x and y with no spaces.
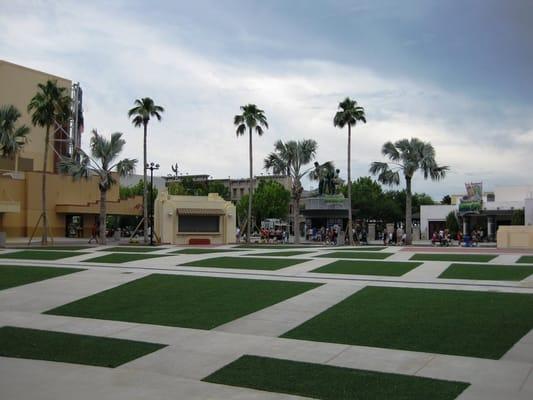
{"x":408,"y":156}
{"x":349,"y":114}
{"x":102,"y":163}
{"x":49,"y":106}
{"x":12,"y":138}
{"x":290,"y":158}
{"x":252,"y":118}
{"x":143,"y":110}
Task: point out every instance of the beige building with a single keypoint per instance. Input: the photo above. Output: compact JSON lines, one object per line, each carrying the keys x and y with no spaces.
{"x":194,"y":219}
{"x":72,"y":207}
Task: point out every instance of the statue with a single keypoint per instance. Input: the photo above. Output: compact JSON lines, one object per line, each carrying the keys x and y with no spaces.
{"x":328,"y":178}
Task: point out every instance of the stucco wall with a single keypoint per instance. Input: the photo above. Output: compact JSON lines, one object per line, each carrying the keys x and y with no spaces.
{"x":515,"y":237}
{"x":436,"y":212}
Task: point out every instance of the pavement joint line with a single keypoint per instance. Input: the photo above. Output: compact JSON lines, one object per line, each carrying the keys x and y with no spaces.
{"x":425,"y":364}
{"x":337,"y":355}
{"x":526,"y":379}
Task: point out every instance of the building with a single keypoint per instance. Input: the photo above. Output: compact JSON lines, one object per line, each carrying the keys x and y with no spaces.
{"x":237,"y":187}
{"x":495,"y":209}
{"x":194,"y":219}
{"x":72,"y":207}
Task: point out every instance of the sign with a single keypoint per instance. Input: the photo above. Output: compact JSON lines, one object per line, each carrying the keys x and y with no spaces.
{"x":472,"y":202}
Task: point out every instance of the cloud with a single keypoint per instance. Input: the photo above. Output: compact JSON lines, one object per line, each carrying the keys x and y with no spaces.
{"x":118,"y":57}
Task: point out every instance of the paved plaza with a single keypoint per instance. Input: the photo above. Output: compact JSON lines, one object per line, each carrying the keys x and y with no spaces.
{"x":178,"y":369}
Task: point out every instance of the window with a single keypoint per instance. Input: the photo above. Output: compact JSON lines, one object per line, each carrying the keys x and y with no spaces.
{"x":242,"y":192}
{"x":198,"y":223}
{"x":234,"y":192}
{"x":491,"y":197}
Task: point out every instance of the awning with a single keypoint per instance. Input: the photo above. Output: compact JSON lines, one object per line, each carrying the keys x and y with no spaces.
{"x":200,"y":211}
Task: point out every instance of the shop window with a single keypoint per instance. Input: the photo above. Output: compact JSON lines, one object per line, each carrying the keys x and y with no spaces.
{"x":199,"y":223}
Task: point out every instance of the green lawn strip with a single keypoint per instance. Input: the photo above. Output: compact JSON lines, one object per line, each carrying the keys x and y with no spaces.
{"x":360,"y":267}
{"x":274,"y":246}
{"x":525,"y":260}
{"x":329,"y":382}
{"x":117,"y":258}
{"x":356,"y":254}
{"x":16,"y":275}
{"x":132,"y":249}
{"x":453,"y":257}
{"x":40,"y":255}
{"x":279,"y":253}
{"x":72,"y":248}
{"x":490,"y":272}
{"x":203,"y":251}
{"x":361,"y":248}
{"x":245,"y":263}
{"x":464,"y":323}
{"x":185,"y":301}
{"x":71,"y":348}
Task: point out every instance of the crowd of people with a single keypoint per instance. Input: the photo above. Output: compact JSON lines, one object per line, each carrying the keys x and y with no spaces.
{"x":444,"y":238}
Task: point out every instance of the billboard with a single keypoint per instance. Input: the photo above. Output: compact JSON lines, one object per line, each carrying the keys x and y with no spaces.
{"x":472,"y":202}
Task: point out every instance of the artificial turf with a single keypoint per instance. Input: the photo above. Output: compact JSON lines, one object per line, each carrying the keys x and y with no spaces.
{"x":185,"y":301}
{"x":117,"y":258}
{"x":203,"y":251}
{"x":329,"y":382}
{"x":131,"y":249}
{"x":73,"y":248}
{"x":279,"y":253}
{"x":71,"y":348}
{"x":361,"y":248}
{"x":273,"y":246}
{"x":356,"y":254}
{"x":245,"y":263}
{"x":490,"y":272}
{"x":525,"y":260}
{"x":465,"y":323}
{"x":360,"y":267}
{"x":40,"y":255}
{"x":16,"y":275}
{"x":453,"y":257}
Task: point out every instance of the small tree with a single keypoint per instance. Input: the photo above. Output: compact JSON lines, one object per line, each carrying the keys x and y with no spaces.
{"x":518,"y":217}
{"x":101,"y":163}
{"x":452,"y":223}
{"x":12,"y":138}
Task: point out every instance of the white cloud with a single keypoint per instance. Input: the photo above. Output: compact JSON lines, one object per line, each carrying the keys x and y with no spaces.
{"x":118,"y":58}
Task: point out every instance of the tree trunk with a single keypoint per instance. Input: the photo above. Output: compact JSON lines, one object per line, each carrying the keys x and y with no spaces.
{"x":145,"y":189}
{"x":350,"y":234}
{"x":44,"y":237}
{"x":408,"y":213}
{"x":250,"y":194}
{"x":296,"y":219}
{"x":103,"y":215}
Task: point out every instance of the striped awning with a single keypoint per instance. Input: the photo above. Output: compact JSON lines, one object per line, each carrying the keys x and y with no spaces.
{"x":200,"y":211}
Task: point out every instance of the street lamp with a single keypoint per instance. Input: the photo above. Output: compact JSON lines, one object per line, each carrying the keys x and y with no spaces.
{"x":151,"y":167}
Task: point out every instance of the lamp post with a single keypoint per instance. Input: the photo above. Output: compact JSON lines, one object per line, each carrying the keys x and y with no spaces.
{"x":151,"y":167}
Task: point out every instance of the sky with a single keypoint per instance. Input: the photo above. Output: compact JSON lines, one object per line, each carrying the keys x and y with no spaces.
{"x":455,"y":73}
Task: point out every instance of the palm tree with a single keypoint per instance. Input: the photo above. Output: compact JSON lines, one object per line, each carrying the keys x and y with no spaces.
{"x":102,"y":163}
{"x":49,"y":106}
{"x":252,"y":118}
{"x":11,"y":138}
{"x":143,"y":110}
{"x":349,"y":114}
{"x":289,"y":158}
{"x":407,"y":156}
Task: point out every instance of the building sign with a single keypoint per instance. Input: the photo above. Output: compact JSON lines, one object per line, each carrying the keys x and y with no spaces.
{"x":472,"y":202}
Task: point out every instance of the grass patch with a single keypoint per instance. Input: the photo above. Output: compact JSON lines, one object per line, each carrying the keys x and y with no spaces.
{"x":72,"y":248}
{"x":279,"y":253}
{"x":330,"y":383}
{"x":71,"y":348}
{"x":361,"y":248}
{"x":245,"y":263}
{"x":118,"y":258}
{"x":453,"y":257}
{"x":203,"y":251}
{"x":186,"y":301}
{"x":273,"y":246}
{"x":356,"y":254}
{"x":17,"y":275}
{"x":131,"y":249}
{"x":40,"y":255}
{"x":489,"y":272}
{"x":465,"y":323}
{"x":525,"y":260}
{"x":385,"y":268}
